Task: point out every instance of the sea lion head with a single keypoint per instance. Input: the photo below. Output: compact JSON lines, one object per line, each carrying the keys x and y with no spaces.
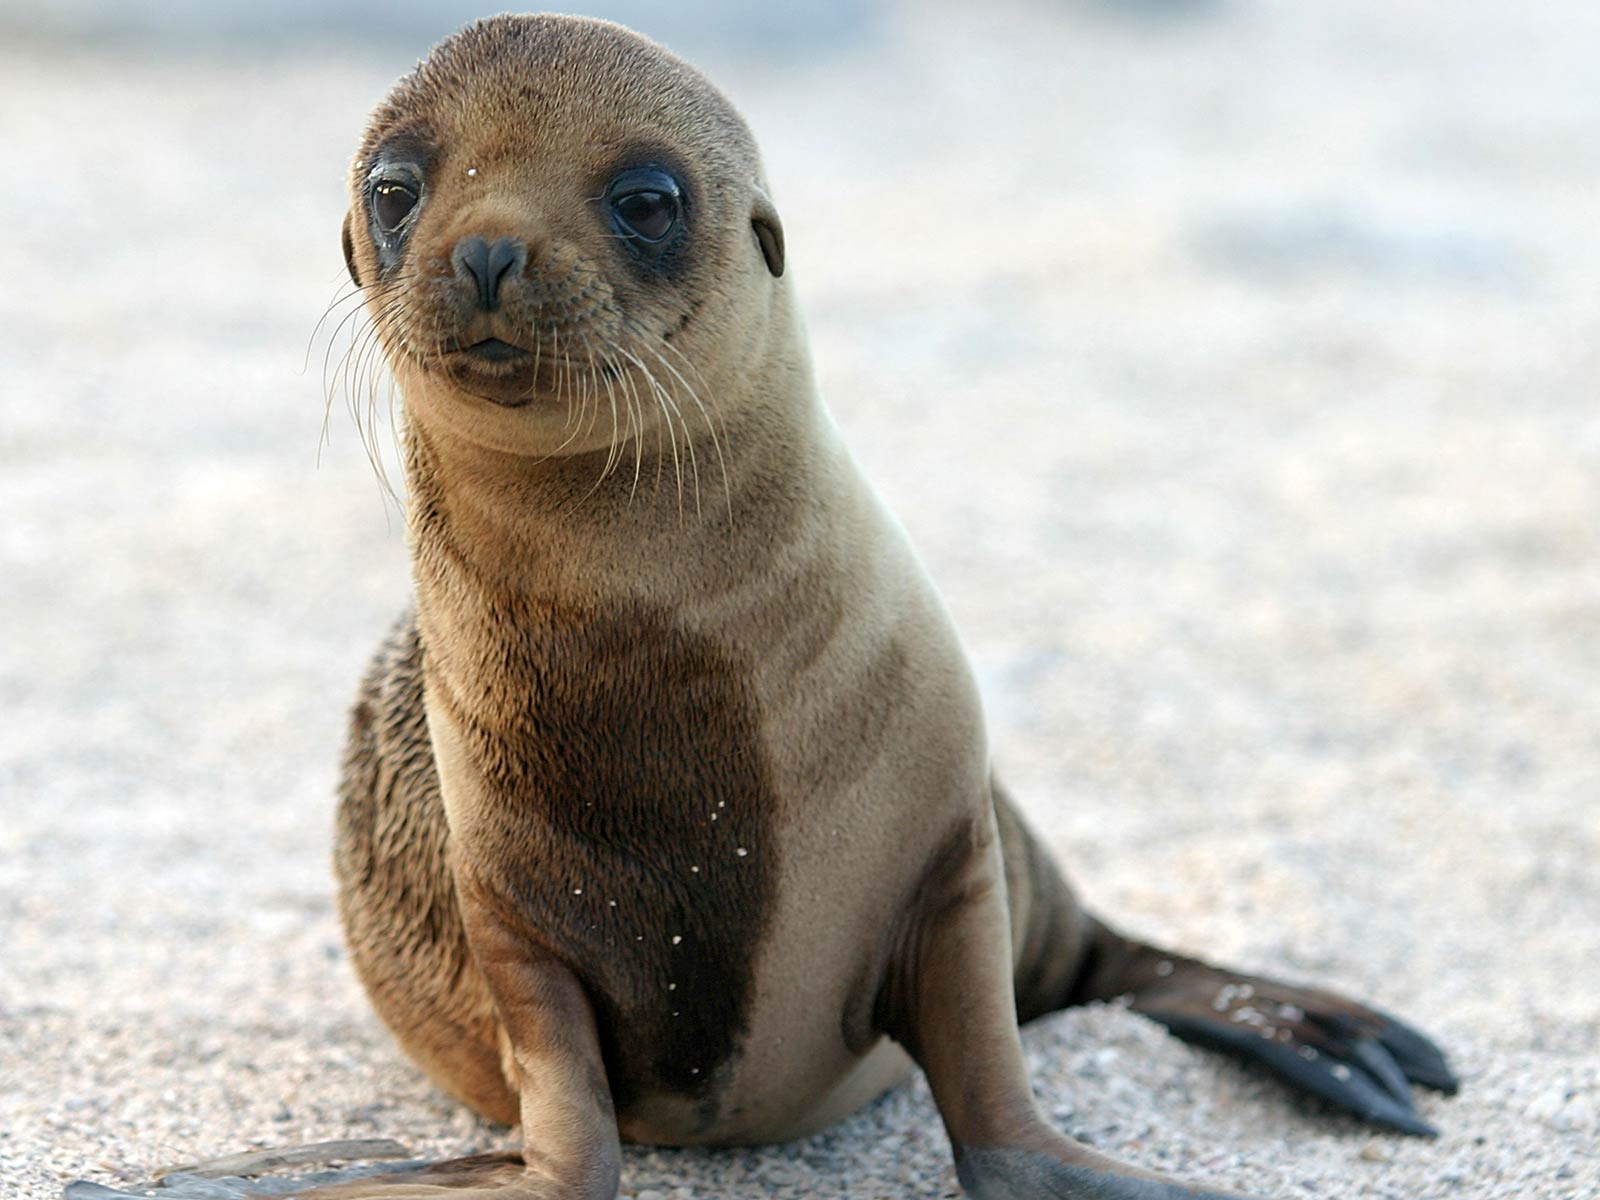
{"x":563,"y":236}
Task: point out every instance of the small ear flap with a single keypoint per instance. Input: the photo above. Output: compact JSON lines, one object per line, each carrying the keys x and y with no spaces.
{"x":349,"y":252}
{"x":769,"y":231}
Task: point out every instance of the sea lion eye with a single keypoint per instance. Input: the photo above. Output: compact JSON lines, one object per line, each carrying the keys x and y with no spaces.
{"x":649,"y":215}
{"x":392,"y":202}
{"x":646,"y":206}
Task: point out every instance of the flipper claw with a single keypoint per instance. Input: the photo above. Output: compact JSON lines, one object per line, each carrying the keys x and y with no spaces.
{"x":1422,"y":1061}
{"x":1336,"y":1075}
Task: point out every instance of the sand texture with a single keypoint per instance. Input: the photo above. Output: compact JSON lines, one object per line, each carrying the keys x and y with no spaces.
{"x":1233,"y":367}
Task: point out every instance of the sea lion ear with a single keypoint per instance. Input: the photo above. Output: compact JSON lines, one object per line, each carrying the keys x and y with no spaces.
{"x":769,"y":231}
{"x":349,"y":252}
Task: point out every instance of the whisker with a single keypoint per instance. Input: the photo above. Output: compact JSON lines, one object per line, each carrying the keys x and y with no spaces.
{"x":636,"y":402}
{"x":711,"y":427}
{"x":354,"y":314}
{"x":669,"y":409}
{"x":354,"y":292}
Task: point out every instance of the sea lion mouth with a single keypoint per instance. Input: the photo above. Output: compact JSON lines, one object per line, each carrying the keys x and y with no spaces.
{"x":497,"y":358}
{"x":496,"y":351}
{"x":507,"y":374}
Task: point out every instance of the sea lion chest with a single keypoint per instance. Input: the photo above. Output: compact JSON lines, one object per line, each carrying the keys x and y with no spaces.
{"x":625,"y":814}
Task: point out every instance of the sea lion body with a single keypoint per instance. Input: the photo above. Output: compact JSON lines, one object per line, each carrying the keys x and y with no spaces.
{"x":668,"y":815}
{"x":801,"y":771}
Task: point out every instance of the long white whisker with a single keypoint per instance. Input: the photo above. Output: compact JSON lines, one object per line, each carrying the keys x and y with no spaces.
{"x":670,"y":408}
{"x":711,"y":427}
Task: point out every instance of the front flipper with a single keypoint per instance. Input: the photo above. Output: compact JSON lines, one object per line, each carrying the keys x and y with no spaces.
{"x":1020,"y":1175}
{"x":571,"y":1147}
{"x":1352,"y":1056}
{"x":481,"y":1177}
{"x":949,"y":1001}
{"x":247,"y":1174}
{"x":250,"y":1182}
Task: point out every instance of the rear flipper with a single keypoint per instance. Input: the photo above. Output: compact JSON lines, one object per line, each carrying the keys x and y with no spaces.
{"x":1352,"y":1056}
{"x":947,"y":997}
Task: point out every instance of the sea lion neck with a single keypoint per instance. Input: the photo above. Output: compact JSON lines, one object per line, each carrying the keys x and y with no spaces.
{"x":568,"y":528}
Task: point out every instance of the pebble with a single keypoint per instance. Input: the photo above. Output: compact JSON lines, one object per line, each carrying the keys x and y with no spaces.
{"x":1577,"y":1115}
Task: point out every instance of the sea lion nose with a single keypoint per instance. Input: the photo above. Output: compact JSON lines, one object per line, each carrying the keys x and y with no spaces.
{"x":489,"y":263}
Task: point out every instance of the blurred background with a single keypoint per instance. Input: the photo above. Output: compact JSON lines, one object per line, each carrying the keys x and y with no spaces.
{"x":1232,"y":365}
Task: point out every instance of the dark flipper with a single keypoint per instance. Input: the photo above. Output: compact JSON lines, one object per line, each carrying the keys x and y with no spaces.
{"x":1351,"y":1055}
{"x":1355,"y":1057}
{"x":1422,"y":1061}
{"x":1346,"y":1082}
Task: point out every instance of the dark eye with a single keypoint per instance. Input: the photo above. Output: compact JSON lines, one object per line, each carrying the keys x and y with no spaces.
{"x":646,"y":206}
{"x":392,"y":203}
{"x":649,"y":215}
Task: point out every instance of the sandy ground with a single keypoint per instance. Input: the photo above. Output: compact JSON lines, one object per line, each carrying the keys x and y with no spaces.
{"x":1234,"y":370}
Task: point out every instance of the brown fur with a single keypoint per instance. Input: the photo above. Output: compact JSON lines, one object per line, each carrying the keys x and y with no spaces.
{"x":669,"y":815}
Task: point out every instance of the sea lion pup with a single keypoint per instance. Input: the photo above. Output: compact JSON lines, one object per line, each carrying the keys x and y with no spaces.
{"x":668,"y":815}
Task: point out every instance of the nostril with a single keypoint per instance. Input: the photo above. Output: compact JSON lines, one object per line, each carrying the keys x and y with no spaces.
{"x":471,"y":257}
{"x":489,"y":263}
{"x":505,"y":256}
